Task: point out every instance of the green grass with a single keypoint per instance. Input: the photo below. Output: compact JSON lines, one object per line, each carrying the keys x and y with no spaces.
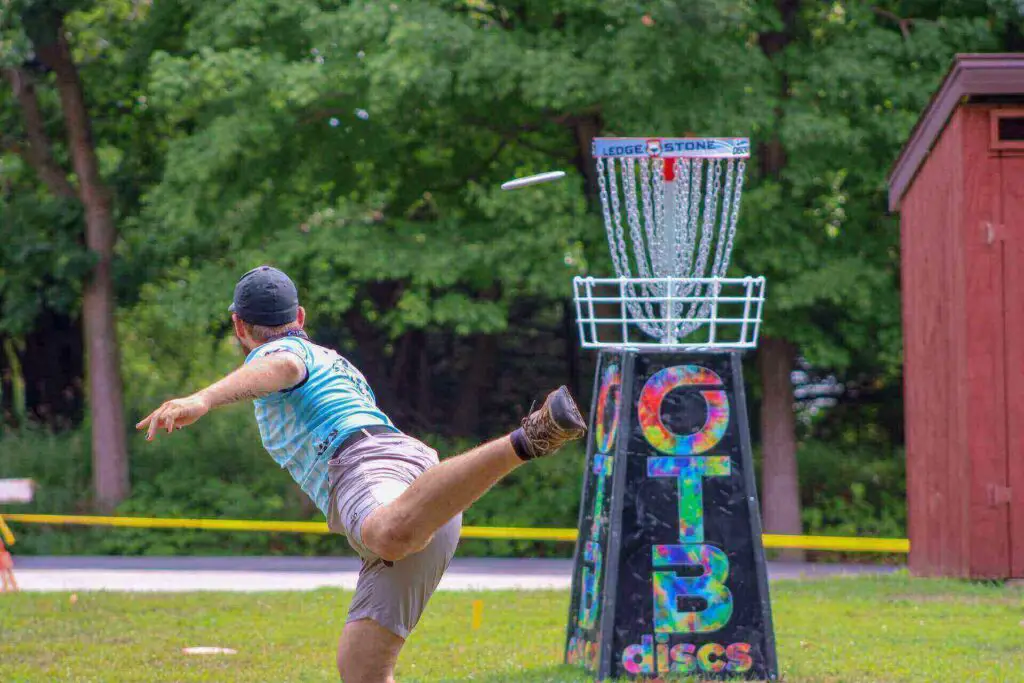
{"x":865,"y":629}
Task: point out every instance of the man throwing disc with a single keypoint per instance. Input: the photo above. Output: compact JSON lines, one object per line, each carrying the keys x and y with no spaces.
{"x":399,"y":507}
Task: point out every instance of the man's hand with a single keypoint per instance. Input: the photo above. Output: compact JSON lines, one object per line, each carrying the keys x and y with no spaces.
{"x":179,"y":412}
{"x":261,"y":377}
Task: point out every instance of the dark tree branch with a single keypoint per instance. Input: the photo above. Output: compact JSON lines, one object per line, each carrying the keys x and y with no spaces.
{"x":57,"y":56}
{"x":905,"y":23}
{"x":37,"y":152}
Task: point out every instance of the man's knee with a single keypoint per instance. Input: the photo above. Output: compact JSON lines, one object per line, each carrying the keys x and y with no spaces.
{"x":367,"y":653}
{"x":350,"y":672}
{"x":390,"y":535}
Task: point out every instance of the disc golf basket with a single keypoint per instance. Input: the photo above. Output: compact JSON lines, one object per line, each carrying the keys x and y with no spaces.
{"x":669,"y":570}
{"x":670,"y":207}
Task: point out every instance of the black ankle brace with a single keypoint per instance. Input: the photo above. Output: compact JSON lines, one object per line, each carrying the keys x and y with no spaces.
{"x":520,"y":445}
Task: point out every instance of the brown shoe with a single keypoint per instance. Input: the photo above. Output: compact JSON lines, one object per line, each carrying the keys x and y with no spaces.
{"x":550,"y":427}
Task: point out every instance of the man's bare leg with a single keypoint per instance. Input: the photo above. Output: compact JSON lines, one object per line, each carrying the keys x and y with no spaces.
{"x":405,"y":525}
{"x":367,"y":653}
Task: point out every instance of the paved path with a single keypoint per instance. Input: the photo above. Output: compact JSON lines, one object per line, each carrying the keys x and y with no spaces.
{"x":247,"y":574}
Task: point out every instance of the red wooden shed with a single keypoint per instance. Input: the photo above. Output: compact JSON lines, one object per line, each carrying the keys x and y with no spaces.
{"x":959,"y":187}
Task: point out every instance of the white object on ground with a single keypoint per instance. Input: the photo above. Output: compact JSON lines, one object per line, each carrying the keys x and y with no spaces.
{"x":532,"y":180}
{"x":209,"y":651}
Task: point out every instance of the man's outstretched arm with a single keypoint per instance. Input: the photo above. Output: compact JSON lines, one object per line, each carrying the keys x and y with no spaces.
{"x":261,"y":377}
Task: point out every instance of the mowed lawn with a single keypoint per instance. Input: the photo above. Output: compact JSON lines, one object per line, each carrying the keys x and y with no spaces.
{"x":857,"y":629}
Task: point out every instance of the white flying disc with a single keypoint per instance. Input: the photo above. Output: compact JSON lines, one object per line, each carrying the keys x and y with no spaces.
{"x":209,"y":651}
{"x":532,"y":180}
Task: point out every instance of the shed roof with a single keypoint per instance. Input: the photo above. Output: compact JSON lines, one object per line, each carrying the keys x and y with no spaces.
{"x":971,"y":76}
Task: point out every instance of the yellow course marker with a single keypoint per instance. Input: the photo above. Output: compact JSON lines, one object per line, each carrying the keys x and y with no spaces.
{"x":478,"y":613}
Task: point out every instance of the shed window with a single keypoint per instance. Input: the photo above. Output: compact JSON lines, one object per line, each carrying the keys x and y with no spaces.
{"x":1007,"y":129}
{"x":1011,"y":128}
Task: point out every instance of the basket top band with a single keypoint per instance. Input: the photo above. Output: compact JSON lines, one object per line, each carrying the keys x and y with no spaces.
{"x":672,"y":148}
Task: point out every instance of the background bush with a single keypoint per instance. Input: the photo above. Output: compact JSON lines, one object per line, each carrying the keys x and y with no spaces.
{"x":218,"y":469}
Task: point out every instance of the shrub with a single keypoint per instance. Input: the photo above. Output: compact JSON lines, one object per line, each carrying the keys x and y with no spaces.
{"x":853,"y":490}
{"x":218,"y":469}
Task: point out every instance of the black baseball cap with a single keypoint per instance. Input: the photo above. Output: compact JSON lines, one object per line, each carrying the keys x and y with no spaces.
{"x":265,"y":296}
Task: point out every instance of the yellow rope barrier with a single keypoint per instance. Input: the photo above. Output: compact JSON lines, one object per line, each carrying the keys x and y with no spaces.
{"x":171,"y":523}
{"x":839,"y":543}
{"x":5,"y":532}
{"x":843,"y":543}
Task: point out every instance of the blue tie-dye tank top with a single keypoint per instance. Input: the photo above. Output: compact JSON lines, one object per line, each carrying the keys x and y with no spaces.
{"x":301,"y":427}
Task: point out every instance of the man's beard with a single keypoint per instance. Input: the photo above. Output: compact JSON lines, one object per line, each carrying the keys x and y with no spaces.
{"x":242,"y":347}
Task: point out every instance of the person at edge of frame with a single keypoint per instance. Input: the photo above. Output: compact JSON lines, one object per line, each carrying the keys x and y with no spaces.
{"x":400,"y":508}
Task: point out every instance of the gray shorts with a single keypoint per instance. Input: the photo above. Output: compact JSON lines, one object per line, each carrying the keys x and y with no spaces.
{"x":365,"y":476}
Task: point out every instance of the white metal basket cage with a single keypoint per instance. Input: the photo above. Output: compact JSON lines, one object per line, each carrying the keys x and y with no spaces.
{"x":670,"y":208}
{"x":727,"y":314}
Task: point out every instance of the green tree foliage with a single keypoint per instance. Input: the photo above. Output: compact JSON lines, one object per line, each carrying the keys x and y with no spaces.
{"x":360,"y":146}
{"x":855,"y":80}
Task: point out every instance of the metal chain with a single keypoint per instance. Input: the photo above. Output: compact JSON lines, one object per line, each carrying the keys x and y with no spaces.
{"x":710,"y":207}
{"x":643,"y":203}
{"x":661,"y":264}
{"x":716,"y":267}
{"x":645,"y":167}
{"x":674,"y":235}
{"x":658,"y":239}
{"x":689,"y":269}
{"x":647,"y":203}
{"x":609,"y":230}
{"x":628,"y":173}
{"x":683,"y":223}
{"x":712,"y":188}
{"x":607,"y":166}
{"x":695,"y":195}
{"x":616,"y":236}
{"x":634,"y":308}
{"x":741,"y":168}
{"x":721,"y":262}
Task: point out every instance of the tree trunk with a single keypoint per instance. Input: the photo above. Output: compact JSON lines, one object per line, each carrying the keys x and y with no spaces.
{"x":37,"y":150}
{"x":109,"y":442}
{"x":780,"y":490}
{"x":477,"y":378}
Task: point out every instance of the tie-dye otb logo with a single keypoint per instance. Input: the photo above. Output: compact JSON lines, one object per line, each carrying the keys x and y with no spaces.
{"x":605,"y":429}
{"x":654,"y":393}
